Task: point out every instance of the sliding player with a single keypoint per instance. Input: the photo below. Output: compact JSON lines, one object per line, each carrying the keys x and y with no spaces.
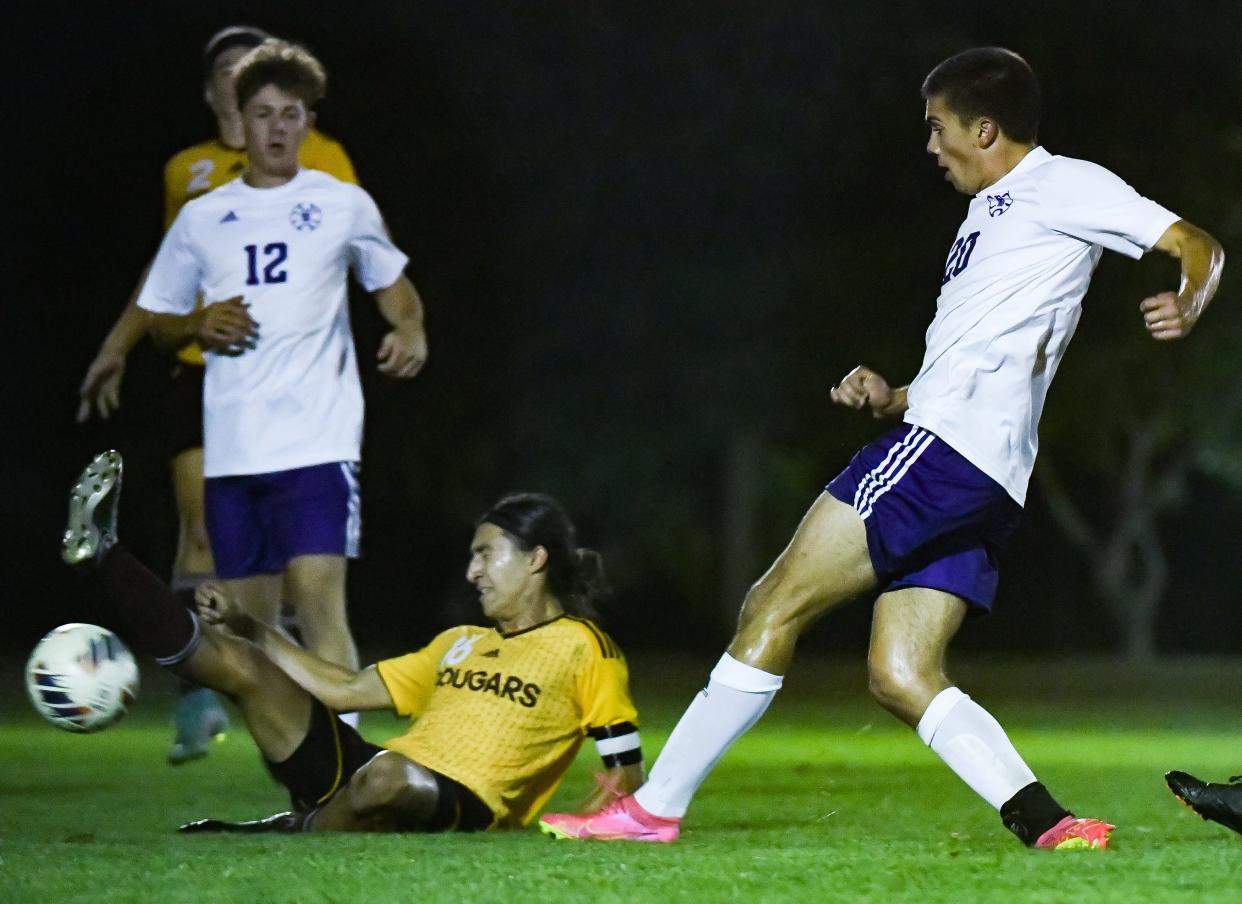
{"x":500,"y":712}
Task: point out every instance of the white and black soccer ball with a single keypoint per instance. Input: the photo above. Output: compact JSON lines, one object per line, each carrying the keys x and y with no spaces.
{"x":81,"y":678}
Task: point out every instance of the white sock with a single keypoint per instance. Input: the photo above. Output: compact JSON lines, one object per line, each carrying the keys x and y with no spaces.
{"x":350,"y":719}
{"x":972,"y":744}
{"x":734,"y":699}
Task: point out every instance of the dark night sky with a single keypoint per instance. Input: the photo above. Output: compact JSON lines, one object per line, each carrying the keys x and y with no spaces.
{"x":644,"y":233}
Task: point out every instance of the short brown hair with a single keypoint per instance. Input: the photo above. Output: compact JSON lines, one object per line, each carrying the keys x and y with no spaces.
{"x":992,"y":82}
{"x":290,"y":67}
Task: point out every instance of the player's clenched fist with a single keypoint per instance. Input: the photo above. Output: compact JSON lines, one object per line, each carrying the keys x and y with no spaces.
{"x":864,"y":388}
{"x":216,"y":606}
{"x":1166,"y":317}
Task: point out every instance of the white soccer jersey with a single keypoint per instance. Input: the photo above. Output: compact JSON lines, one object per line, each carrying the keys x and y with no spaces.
{"x":295,"y":398}
{"x":1010,"y":299}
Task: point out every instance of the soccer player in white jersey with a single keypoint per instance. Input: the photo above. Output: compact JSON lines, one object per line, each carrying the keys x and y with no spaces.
{"x":920,"y":514}
{"x":271,"y":251}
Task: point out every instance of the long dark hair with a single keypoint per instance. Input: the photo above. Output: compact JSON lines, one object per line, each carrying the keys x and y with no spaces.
{"x":575,"y":575}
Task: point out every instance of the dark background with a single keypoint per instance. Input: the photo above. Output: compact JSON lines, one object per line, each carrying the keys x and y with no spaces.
{"x":649,"y":236}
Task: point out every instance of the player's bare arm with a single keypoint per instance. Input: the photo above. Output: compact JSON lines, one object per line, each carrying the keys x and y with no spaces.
{"x":862,"y":388}
{"x":1172,"y":315}
{"x":403,"y":351}
{"x":101,"y":387}
{"x":338,"y":688}
{"x":220,"y":326}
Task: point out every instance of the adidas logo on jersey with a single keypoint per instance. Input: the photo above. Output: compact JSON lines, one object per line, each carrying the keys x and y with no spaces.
{"x":230,"y":217}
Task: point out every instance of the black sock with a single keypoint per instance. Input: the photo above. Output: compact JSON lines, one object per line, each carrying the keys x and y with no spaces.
{"x":1031,"y":812}
{"x":151,"y":617}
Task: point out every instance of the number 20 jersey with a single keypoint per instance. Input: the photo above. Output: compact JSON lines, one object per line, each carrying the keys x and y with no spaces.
{"x":294,"y":398}
{"x":1010,"y":298}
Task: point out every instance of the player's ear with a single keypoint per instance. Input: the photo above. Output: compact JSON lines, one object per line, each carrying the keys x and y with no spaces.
{"x":987,"y":131}
{"x":538,"y":559}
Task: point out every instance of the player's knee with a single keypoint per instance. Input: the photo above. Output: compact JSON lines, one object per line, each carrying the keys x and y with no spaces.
{"x":894,"y":685}
{"x":390,"y":785}
{"x":773,"y":605}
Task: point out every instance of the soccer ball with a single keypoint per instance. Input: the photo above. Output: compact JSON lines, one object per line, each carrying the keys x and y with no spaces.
{"x":81,"y":678}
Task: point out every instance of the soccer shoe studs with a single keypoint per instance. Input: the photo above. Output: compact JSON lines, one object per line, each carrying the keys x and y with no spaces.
{"x":622,"y":820}
{"x":1211,"y":800}
{"x":91,"y":530}
{"x":1075,"y":834}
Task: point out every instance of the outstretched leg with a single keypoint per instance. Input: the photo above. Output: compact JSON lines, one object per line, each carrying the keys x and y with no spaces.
{"x":155,"y":622}
{"x":826,"y":564}
{"x":275,"y":709}
{"x":910,"y":635}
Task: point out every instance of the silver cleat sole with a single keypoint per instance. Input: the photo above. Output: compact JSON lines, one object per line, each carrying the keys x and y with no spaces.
{"x":92,"y":509}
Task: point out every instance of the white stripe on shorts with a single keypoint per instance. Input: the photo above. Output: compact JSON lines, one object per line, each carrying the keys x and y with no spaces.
{"x":353,"y":520}
{"x":887,"y":466}
{"x":886,"y":482}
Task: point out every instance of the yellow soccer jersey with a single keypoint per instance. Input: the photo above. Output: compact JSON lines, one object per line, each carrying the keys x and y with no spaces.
{"x":198,"y":169}
{"x":504,"y":715}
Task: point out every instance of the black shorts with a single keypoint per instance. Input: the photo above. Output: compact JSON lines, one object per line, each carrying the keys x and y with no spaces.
{"x":181,"y":409}
{"x":333,"y":751}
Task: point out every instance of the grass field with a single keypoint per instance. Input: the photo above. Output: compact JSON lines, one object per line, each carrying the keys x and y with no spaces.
{"x":828,"y":799}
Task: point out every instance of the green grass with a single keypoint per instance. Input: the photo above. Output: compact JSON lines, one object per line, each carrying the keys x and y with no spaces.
{"x":827,"y":799}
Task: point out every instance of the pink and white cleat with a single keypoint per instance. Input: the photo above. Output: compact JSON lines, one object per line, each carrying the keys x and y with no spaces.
{"x":622,"y":820}
{"x":1075,"y":834}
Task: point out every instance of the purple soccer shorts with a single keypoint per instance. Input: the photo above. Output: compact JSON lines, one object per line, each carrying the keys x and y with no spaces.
{"x":258,"y":522}
{"x":933,"y":519}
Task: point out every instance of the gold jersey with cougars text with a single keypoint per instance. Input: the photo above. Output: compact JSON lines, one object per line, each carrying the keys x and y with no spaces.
{"x":198,"y":169}
{"x":504,"y":715}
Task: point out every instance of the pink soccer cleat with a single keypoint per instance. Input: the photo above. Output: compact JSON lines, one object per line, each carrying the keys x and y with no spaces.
{"x":622,"y":820}
{"x":1075,"y":834}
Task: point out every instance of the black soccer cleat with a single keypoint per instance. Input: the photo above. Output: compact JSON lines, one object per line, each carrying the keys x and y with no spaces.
{"x":1211,"y":800}
{"x":284,"y":823}
{"x":91,"y":528}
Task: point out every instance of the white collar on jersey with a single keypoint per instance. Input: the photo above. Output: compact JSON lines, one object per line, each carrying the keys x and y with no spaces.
{"x":1034,"y":157}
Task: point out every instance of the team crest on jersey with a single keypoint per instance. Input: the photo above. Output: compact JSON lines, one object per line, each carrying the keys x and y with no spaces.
{"x":305,"y":217}
{"x":998,"y":204}
{"x":461,"y":648}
